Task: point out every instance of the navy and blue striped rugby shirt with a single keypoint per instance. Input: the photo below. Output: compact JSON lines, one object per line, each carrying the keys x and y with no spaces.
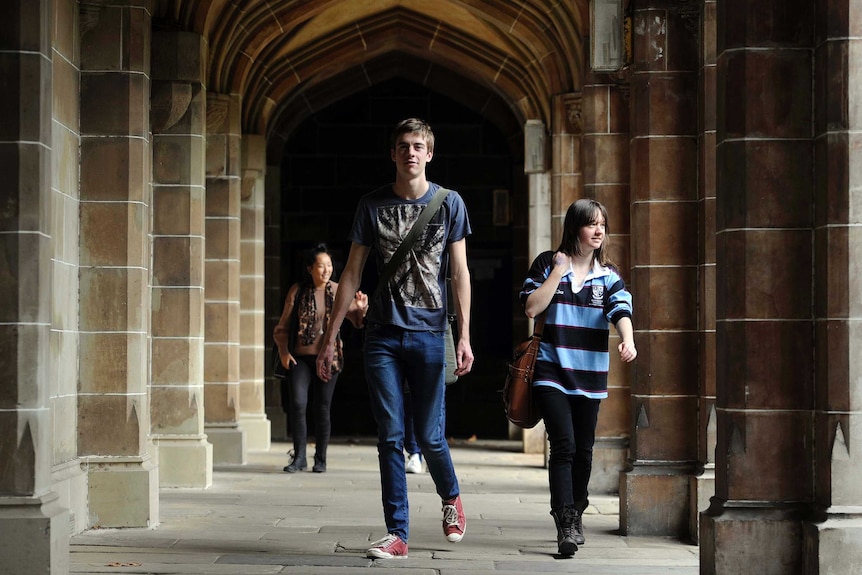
{"x":573,"y":356}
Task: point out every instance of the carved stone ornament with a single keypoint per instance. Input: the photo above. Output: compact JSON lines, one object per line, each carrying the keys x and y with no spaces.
{"x":249,"y":179}
{"x":169,"y":102}
{"x":625,"y":91}
{"x":88,"y":18}
{"x":574,"y":107}
{"x":217,"y":109}
{"x":689,"y":12}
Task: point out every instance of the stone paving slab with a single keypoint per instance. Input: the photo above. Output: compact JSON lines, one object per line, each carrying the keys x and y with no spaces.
{"x":257,"y":520}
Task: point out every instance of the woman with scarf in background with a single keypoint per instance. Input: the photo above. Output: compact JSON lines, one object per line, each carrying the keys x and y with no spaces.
{"x":298,"y":336}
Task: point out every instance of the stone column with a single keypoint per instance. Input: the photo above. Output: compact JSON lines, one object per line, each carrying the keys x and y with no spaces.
{"x":539,"y":226}
{"x":179,"y":151}
{"x":274,"y":298}
{"x":221,"y":285}
{"x":35,"y":526}
{"x":702,"y":484}
{"x":833,"y":543}
{"x":113,"y":404}
{"x":654,"y":496}
{"x":70,"y":479}
{"x":601,"y":113}
{"x":251,"y":325}
{"x":765,"y":333}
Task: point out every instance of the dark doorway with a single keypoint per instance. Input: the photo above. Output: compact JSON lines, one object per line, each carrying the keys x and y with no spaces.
{"x":341,"y":153}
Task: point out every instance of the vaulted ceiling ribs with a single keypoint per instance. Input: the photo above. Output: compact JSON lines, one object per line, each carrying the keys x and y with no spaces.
{"x":277,"y":53}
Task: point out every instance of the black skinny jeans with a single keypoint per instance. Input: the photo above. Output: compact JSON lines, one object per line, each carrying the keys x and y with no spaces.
{"x":570,"y":421}
{"x":303,"y":375}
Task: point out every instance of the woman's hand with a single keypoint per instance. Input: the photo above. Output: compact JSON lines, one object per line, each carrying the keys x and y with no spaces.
{"x":357,"y":310}
{"x":288,"y":361}
{"x":562,"y":263}
{"x":541,"y":298}
{"x":361,"y":301}
{"x":627,"y":351}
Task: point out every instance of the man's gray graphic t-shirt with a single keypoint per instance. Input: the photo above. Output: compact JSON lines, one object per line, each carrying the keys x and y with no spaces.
{"x":416,"y":295}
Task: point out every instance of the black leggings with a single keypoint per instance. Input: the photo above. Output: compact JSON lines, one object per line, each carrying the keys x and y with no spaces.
{"x":570,"y":421}
{"x":302,"y":376}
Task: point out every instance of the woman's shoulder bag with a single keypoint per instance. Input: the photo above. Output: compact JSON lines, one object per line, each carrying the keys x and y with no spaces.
{"x":518,"y":402}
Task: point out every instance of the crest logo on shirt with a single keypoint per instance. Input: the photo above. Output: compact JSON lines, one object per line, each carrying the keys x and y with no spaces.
{"x":597,"y":295}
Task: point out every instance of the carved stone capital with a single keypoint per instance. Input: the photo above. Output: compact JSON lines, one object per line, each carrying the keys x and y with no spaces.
{"x":169,"y":103}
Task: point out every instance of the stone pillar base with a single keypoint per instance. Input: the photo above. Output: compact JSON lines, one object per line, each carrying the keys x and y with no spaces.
{"x":701,"y":490}
{"x":834,"y":546}
{"x":69,"y":482}
{"x":123,"y":492}
{"x":534,"y":439}
{"x":750,"y":541}
{"x":35,"y":535}
{"x":279,"y":423}
{"x":185,"y":462}
{"x":654,"y":501}
{"x":610,"y":457}
{"x":229,"y":446}
{"x":257,"y":430}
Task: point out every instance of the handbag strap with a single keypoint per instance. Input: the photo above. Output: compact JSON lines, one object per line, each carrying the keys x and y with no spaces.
{"x":539,"y":325}
{"x":407,"y":243}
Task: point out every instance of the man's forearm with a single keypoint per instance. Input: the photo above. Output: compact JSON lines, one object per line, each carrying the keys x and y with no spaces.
{"x":343,"y":299}
{"x":346,"y":291}
{"x":462,"y":294}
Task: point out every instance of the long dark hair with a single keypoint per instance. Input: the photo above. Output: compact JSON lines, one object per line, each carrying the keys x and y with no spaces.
{"x":582,"y":213}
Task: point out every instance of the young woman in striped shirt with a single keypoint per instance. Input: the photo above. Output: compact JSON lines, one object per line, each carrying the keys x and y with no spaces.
{"x":581,"y":293}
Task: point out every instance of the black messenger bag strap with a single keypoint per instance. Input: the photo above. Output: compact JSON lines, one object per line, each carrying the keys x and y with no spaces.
{"x":407,"y":243}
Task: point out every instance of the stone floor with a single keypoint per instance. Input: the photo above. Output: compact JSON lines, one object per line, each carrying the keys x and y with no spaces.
{"x":257,"y":520}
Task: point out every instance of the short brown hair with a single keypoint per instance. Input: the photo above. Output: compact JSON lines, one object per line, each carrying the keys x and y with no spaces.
{"x":413,"y":126}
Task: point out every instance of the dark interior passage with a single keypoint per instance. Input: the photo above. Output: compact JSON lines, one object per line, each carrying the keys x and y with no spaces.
{"x":342,"y":152}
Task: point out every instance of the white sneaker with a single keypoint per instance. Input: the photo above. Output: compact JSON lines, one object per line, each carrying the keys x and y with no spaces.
{"x":414,"y":463}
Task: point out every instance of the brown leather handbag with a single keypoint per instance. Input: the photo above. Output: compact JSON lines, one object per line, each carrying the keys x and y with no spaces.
{"x":518,"y":402}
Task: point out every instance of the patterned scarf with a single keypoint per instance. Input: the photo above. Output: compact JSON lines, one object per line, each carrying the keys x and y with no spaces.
{"x":307,"y":314}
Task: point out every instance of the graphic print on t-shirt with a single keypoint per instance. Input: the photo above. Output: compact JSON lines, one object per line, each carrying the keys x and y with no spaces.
{"x":414,"y":283}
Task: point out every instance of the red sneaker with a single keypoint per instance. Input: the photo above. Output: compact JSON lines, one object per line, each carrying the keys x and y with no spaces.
{"x":387,"y":548}
{"x":454,"y":521}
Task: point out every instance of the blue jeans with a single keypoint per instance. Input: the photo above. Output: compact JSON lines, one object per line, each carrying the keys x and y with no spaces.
{"x":411,"y":446}
{"x":392,"y":356}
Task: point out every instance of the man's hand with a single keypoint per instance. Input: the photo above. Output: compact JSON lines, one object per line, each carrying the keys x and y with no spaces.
{"x":463,"y":357}
{"x":324,"y":361}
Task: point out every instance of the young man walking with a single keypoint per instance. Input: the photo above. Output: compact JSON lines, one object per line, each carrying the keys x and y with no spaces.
{"x":405,"y":327}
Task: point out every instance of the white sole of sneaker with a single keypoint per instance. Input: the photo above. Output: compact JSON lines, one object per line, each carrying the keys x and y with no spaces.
{"x":454,"y":537}
{"x":376,"y":554}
